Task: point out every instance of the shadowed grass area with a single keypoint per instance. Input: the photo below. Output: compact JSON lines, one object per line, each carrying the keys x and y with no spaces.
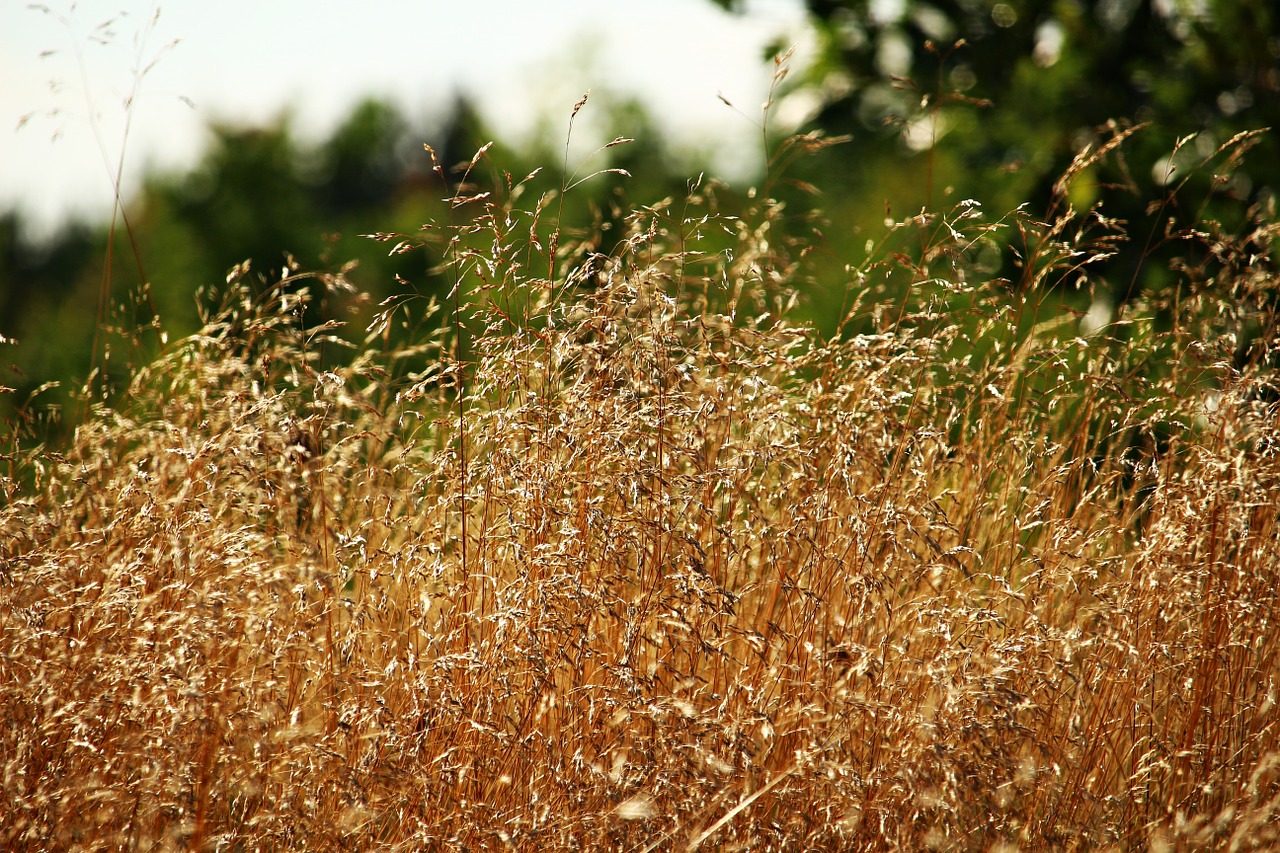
{"x":626,"y":557}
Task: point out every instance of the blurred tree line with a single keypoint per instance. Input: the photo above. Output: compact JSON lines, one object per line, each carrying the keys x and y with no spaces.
{"x":941,"y":101}
{"x":261,"y":196}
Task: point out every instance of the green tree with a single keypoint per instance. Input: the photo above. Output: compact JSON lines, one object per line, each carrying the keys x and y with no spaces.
{"x":992,"y":100}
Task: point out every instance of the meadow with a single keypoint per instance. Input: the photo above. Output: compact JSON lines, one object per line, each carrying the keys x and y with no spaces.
{"x":609,"y":549}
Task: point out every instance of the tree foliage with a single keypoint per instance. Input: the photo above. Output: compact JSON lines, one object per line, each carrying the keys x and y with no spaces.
{"x":264,"y":199}
{"x":993,"y":100}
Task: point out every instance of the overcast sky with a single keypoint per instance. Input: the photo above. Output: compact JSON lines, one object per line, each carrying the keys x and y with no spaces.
{"x":65,"y":77}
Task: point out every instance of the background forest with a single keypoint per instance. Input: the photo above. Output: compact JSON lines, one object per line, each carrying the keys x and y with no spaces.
{"x":917,"y":106}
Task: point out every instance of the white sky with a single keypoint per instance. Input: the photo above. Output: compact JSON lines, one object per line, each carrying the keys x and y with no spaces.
{"x":247,"y":61}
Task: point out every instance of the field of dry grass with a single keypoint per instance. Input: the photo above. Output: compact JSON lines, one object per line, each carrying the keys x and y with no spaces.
{"x":622,"y":556}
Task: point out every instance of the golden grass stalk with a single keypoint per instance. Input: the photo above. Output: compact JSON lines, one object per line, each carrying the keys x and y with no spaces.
{"x":651,"y":564}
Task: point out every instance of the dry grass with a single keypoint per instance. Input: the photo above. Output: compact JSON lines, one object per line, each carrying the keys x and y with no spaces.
{"x":639,"y":563}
